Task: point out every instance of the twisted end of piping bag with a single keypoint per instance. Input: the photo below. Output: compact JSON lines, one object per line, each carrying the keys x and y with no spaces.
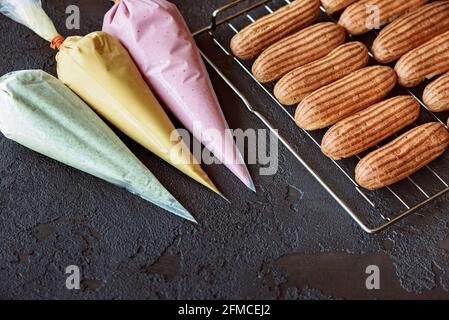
{"x":30,"y":14}
{"x":57,"y":42}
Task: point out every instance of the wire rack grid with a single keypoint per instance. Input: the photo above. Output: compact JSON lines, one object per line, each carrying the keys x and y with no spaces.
{"x":378,"y":210}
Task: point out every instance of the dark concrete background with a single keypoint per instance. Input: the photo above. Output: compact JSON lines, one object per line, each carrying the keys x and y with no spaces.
{"x":288,"y":241}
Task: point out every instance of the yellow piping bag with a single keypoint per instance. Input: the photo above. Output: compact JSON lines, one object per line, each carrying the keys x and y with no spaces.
{"x":99,"y":70}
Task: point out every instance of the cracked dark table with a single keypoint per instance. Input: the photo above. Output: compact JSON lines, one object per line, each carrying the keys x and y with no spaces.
{"x":288,"y":241}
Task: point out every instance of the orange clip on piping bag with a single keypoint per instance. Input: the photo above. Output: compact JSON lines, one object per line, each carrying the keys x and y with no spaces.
{"x":99,"y":70}
{"x":158,"y":39}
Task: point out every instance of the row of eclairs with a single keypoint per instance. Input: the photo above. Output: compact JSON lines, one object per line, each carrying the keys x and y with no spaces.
{"x":331,"y":82}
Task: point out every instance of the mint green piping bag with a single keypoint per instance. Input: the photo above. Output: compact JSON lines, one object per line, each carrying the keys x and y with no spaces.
{"x":39,"y":112}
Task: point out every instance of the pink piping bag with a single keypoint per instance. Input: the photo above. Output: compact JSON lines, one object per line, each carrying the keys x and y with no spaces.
{"x":159,"y":41}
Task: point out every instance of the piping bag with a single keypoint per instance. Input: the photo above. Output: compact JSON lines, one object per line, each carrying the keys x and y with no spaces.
{"x":158,"y":39}
{"x":100,"y":71}
{"x":39,"y":112}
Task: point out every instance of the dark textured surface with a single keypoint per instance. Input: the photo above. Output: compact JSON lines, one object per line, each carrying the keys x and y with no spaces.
{"x":290,"y":240}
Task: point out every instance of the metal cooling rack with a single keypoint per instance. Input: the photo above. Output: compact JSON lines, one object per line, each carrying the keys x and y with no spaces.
{"x":372,"y":211}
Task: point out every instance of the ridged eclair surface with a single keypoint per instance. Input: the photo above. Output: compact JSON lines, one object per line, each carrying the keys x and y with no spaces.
{"x":301,"y":82}
{"x":333,"y":6}
{"x":402,"y":157}
{"x":259,"y":35}
{"x":358,"y":18}
{"x":410,"y":31}
{"x":367,"y":128}
{"x":301,"y":48}
{"x":343,"y":98}
{"x":436,"y":94}
{"x":425,"y":62}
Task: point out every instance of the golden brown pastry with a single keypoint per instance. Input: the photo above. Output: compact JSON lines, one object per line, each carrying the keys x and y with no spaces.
{"x":369,"y":127}
{"x":333,"y":6}
{"x":425,"y":62}
{"x":301,"y":82}
{"x":253,"y":39}
{"x":402,"y":157}
{"x":436,"y":94}
{"x":301,"y":48}
{"x":411,"y":30}
{"x":358,"y":18}
{"x":343,"y":98}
